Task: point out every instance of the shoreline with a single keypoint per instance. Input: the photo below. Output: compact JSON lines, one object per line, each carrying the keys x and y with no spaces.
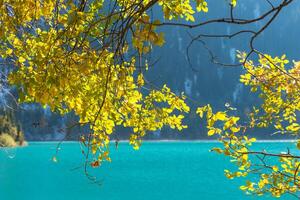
{"x":168,"y":141}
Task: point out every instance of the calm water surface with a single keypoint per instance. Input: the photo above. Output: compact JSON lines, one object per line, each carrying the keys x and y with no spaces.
{"x":164,"y":171}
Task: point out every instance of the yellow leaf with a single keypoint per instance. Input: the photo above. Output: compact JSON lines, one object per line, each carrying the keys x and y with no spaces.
{"x":200,"y":112}
{"x":9,"y":51}
{"x":294,"y":127}
{"x":22,"y":59}
{"x":252,"y":140}
{"x":211,"y":132}
{"x":140,"y":80}
{"x":235,"y":129}
{"x":160,"y":40}
{"x":220,"y":116}
{"x":275,"y":168}
{"x":218,"y":150}
{"x":233,"y":3}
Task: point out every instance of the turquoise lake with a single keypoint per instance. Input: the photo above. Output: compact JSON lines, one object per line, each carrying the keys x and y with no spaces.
{"x":159,"y":170}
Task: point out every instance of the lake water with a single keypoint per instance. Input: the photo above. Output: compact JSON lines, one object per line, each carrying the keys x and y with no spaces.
{"x":164,"y":171}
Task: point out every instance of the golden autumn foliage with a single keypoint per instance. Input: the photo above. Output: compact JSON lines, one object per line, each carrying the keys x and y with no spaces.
{"x":277,"y":84}
{"x":87,"y":57}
